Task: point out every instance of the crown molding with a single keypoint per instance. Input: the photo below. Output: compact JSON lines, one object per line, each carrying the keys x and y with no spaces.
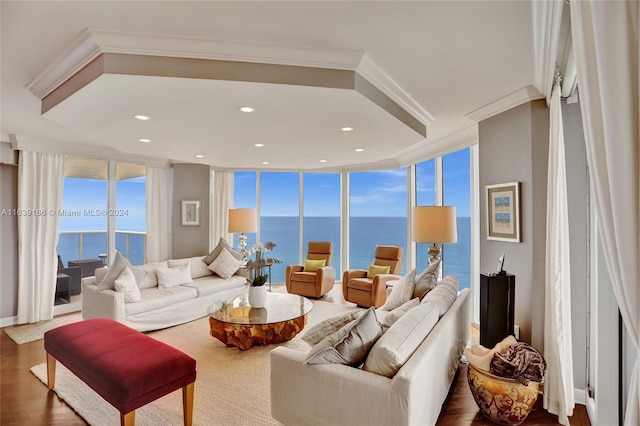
{"x":381,"y":80}
{"x":526,"y":94}
{"x":547,"y":24}
{"x":430,"y":149}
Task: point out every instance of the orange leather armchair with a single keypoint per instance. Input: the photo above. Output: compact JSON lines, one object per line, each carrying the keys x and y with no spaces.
{"x":363,"y":291}
{"x":312,"y":284}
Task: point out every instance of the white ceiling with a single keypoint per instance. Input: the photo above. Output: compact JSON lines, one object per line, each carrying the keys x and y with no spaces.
{"x":451,"y":57}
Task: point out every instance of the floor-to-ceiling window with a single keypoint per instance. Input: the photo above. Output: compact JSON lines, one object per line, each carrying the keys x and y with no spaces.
{"x":321,"y":212}
{"x":244,"y":197}
{"x":130,"y":211}
{"x":456,"y":185}
{"x":378,"y":214}
{"x":425,"y":196}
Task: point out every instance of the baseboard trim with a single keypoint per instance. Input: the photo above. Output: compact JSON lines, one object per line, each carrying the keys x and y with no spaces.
{"x":580,"y":396}
{"x":8,"y":321}
{"x":591,"y":410}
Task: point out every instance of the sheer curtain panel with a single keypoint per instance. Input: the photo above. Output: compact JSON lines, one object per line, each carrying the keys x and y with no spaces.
{"x":158,"y":213}
{"x":558,"y":386}
{"x":40,"y":186}
{"x":605,"y":37}
{"x":222,"y":202}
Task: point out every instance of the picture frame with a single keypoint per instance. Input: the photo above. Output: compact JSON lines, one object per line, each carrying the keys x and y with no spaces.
{"x":503,"y":212}
{"x":190,"y":213}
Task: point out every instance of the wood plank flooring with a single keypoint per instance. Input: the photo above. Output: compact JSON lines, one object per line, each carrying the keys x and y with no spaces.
{"x":25,"y":401}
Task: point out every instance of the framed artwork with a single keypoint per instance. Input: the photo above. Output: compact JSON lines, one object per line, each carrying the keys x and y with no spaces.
{"x":503,"y":212}
{"x":190,"y":213}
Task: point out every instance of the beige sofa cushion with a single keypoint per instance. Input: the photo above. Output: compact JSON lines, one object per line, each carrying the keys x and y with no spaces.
{"x":402,"y":292}
{"x":329,"y":326}
{"x":119,"y":263}
{"x":196,"y":265}
{"x":427,"y":280}
{"x":392,"y":316}
{"x":443,"y":294}
{"x":151,"y":278}
{"x":397,"y":345}
{"x":157,"y":297}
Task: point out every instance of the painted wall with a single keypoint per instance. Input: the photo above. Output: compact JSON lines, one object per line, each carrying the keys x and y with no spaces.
{"x":513,"y":146}
{"x":8,"y":235}
{"x":190,"y":182}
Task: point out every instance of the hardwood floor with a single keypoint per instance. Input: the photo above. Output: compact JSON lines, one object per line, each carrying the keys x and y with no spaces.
{"x":26,"y":401}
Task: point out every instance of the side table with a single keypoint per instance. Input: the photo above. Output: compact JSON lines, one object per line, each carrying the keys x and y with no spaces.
{"x":63,"y":292}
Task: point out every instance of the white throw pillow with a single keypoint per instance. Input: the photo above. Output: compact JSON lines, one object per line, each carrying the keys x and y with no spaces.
{"x":349,"y":345}
{"x":427,"y":279}
{"x":126,"y":284}
{"x":397,"y":345}
{"x":225,"y":265}
{"x":443,"y":294}
{"x":329,"y":326}
{"x":401,"y":293}
{"x":151,"y":279}
{"x":196,"y":265}
{"x":171,"y":277}
{"x":397,"y":313}
{"x":119,"y":263}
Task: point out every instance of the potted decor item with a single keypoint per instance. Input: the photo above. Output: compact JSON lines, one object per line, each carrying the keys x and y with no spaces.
{"x":257,"y":289}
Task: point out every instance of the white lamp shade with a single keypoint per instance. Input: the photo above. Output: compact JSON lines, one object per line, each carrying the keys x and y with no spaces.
{"x":242,"y":220}
{"x":434,"y":224}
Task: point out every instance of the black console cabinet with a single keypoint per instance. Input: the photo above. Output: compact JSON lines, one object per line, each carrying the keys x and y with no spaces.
{"x":497,"y":299}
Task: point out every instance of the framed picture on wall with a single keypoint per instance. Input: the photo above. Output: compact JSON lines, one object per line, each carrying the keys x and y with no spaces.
{"x":190,"y":213}
{"x":503,"y":212}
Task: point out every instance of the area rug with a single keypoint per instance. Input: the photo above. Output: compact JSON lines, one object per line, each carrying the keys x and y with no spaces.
{"x":30,"y":332}
{"x":232,"y":386}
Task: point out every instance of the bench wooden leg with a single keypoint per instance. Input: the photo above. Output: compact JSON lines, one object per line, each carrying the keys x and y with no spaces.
{"x":51,"y":371}
{"x":187,"y":403}
{"x":128,"y":419}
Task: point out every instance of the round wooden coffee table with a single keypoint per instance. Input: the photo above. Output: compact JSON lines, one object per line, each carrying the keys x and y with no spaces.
{"x":238,"y":324}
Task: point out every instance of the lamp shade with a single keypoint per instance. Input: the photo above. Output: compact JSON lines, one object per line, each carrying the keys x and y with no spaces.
{"x":242,"y":220}
{"x":434,"y":224}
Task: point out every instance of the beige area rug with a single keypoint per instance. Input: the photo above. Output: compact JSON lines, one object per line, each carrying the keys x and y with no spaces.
{"x":232,"y":386}
{"x":30,"y":332}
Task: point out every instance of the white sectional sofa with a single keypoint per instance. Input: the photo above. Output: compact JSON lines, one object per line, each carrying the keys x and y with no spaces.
{"x":161,"y":307}
{"x":332,"y":394}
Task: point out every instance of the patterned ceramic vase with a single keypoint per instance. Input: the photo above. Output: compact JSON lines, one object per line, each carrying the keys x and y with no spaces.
{"x":503,"y":401}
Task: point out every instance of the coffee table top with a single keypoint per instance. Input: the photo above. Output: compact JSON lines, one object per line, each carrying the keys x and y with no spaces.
{"x":280,"y":307}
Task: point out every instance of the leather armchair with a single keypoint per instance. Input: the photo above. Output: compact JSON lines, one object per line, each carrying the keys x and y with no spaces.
{"x":312,"y":284}
{"x":366,"y":292}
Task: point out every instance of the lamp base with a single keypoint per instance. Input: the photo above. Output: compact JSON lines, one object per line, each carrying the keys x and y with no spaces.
{"x":434,"y":251}
{"x":242,"y":245}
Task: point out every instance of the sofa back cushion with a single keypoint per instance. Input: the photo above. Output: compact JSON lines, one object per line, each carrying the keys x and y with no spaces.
{"x":196,"y":265}
{"x":151,"y":279}
{"x":399,"y":342}
{"x":171,"y":277}
{"x":443,"y":294}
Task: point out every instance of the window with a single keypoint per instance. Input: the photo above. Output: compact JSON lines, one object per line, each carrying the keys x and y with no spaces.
{"x":244,"y":197}
{"x":321,"y":221}
{"x":425,"y":196}
{"x":130,"y":211}
{"x":378,"y":214}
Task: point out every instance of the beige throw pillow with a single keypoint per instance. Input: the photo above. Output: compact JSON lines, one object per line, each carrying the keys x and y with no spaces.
{"x":225,"y":265}
{"x":222,"y":243}
{"x":401,"y":293}
{"x":172,"y":277}
{"x":398,"y":312}
{"x":349,"y":345}
{"x":427,"y":279}
{"x":397,"y":345}
{"x":119,"y":263}
{"x":329,"y":326}
{"x":443,"y":294}
{"x":196,"y":264}
{"x":151,"y":279}
{"x":126,"y":284}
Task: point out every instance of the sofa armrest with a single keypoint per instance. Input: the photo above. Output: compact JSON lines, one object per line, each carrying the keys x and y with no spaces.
{"x":102,"y":303}
{"x":300,"y":394}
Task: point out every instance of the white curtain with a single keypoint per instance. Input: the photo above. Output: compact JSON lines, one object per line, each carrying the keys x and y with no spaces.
{"x":158,"y":214}
{"x":40,"y":186}
{"x":558,"y":386}
{"x":605,"y":37}
{"x":222,"y":202}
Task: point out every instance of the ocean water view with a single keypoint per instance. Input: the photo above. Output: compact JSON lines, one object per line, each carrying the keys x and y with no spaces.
{"x":365,"y":234}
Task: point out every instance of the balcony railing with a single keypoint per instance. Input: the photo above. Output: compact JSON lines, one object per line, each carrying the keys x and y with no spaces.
{"x":73,"y":245}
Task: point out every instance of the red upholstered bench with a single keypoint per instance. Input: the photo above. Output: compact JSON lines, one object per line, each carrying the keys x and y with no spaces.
{"x":124,"y":366}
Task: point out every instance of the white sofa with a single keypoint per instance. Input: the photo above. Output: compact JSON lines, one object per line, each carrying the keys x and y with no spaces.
{"x":161,"y":307}
{"x":332,"y":394}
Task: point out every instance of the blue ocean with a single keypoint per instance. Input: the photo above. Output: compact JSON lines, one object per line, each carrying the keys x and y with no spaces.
{"x":365,"y":234}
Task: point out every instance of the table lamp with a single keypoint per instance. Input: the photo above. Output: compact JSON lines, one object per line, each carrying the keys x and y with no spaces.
{"x":242,"y":221}
{"x":434,"y":224}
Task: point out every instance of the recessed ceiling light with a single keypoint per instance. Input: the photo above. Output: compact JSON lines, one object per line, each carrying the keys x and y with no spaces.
{"x":144,"y":140}
{"x":258,"y":145}
{"x":347,"y":129}
{"x":199,"y":156}
{"x":323,"y":161}
{"x":359,"y":149}
{"x":265,"y":162}
{"x":246,"y":109}
{"x":141,"y":117}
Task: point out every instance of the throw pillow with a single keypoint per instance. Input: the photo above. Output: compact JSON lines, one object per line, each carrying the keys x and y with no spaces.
{"x":427,"y":279}
{"x":401,"y":293}
{"x":313,"y":265}
{"x":222,"y":243}
{"x":196,"y":264}
{"x":225,"y":265}
{"x":376,"y":270}
{"x":349,"y":345}
{"x":397,"y":345}
{"x":329,"y":326}
{"x":151,"y":279}
{"x":398,"y":312}
{"x":171,"y":277}
{"x":443,"y":294}
{"x":119,"y":263}
{"x":126,"y":284}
